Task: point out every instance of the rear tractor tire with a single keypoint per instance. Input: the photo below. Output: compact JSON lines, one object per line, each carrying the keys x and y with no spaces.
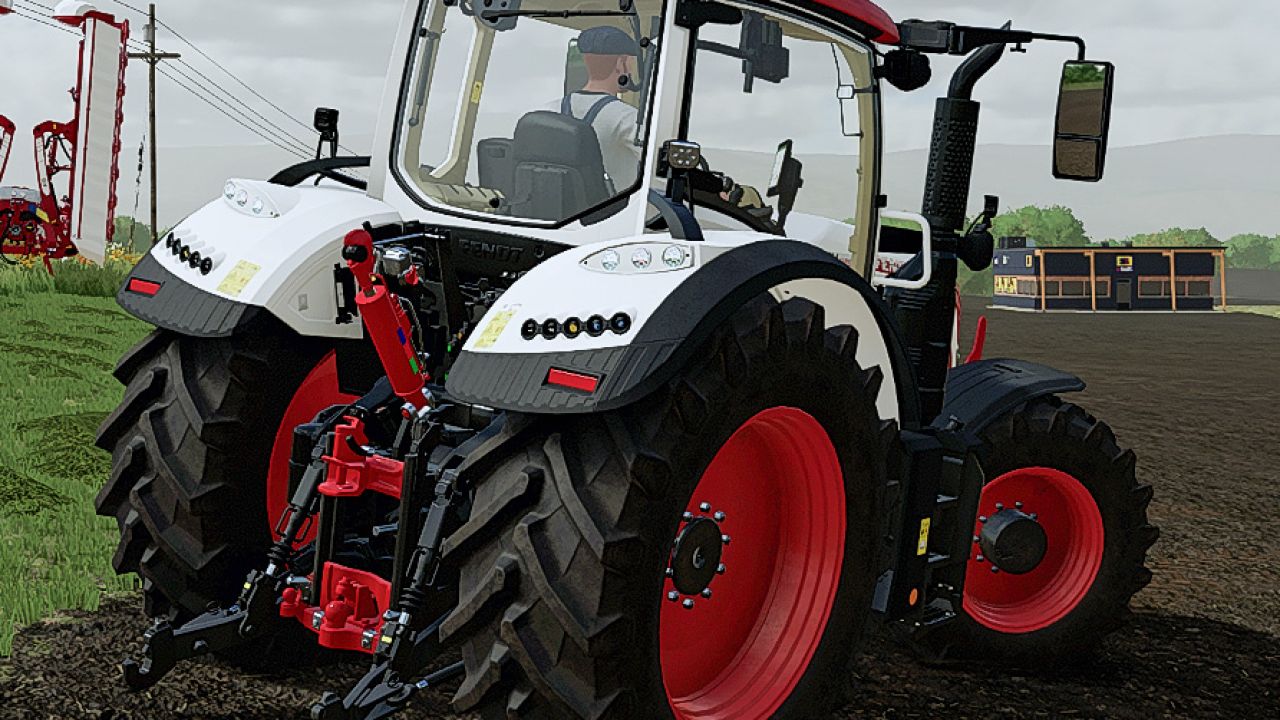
{"x":1055,"y":463}
{"x":705,"y":553}
{"x":200,"y":447}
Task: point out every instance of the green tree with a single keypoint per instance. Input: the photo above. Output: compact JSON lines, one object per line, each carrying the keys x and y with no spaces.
{"x":1055,"y":226}
{"x":1254,"y":252}
{"x":133,"y":234}
{"x":1176,"y":237}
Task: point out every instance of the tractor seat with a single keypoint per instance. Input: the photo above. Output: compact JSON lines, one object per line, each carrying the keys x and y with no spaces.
{"x":551,"y":169}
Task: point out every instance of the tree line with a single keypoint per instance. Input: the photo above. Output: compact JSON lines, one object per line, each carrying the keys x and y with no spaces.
{"x":1057,"y":226}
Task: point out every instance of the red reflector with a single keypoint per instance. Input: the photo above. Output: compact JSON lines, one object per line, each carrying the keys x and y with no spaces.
{"x":143,"y":287}
{"x":573,"y":380}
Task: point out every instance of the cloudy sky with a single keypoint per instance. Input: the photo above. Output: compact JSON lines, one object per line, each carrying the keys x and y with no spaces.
{"x":1184,"y":70}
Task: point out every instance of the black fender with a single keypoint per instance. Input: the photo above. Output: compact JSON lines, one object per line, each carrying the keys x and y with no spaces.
{"x":668,"y":340}
{"x":156,"y":295}
{"x":978,"y":393}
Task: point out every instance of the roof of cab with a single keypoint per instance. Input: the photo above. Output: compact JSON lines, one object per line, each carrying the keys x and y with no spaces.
{"x":874,"y":21}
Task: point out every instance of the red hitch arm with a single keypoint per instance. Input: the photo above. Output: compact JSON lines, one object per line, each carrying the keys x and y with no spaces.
{"x":386,"y":322}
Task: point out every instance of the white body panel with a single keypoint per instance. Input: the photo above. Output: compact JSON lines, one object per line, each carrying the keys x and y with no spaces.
{"x":564,"y":286}
{"x":283,"y":263}
{"x":101,"y":86}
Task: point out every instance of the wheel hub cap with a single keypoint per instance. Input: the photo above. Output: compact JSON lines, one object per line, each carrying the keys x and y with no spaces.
{"x":696,"y":556}
{"x":1013,"y":541}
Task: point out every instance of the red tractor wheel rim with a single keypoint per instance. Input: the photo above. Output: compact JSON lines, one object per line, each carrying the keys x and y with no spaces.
{"x":741,"y":652}
{"x":1073,"y":528}
{"x":318,"y":391}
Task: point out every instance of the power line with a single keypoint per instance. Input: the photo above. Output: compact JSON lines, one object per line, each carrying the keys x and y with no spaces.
{"x":300,"y":150}
{"x":230,"y":74}
{"x":23,"y":13}
{"x":233,"y":118}
{"x":258,"y":132}
{"x":280,"y":136}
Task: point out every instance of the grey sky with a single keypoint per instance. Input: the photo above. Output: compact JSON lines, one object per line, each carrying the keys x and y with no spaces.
{"x":1184,"y":70}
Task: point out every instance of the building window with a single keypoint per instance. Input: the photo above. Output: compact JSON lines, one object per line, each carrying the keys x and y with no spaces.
{"x":1075,"y":288}
{"x":1103,"y":287}
{"x":1153,"y":288}
{"x":1195,"y":287}
{"x":1030,"y":288}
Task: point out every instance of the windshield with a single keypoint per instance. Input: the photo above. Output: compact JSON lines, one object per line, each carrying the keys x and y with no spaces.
{"x":769,"y":88}
{"x":531,"y":111}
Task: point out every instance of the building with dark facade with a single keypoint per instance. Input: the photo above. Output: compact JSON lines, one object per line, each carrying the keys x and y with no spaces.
{"x":1108,"y":277}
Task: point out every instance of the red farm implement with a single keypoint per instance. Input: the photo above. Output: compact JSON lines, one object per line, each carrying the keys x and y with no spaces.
{"x":71,"y":211}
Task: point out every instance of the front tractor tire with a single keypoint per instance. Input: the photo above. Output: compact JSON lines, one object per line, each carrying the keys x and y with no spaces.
{"x":1051,"y":461}
{"x":705,"y":553}
{"x":200,"y":448}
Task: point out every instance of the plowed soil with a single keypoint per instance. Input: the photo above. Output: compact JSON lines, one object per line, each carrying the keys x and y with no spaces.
{"x":1198,"y":398}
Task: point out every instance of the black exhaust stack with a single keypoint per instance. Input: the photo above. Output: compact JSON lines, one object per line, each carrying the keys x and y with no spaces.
{"x":926,"y":316}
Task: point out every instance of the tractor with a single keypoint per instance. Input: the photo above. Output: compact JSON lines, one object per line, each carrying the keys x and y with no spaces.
{"x":594,"y":380}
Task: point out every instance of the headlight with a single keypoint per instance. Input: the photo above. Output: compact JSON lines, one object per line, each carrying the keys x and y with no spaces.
{"x":641,"y":257}
{"x":249,"y":199}
{"x":673,"y":256}
{"x":609,"y":260}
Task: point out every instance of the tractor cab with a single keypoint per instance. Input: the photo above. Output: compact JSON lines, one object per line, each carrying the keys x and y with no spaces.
{"x":541,"y":116}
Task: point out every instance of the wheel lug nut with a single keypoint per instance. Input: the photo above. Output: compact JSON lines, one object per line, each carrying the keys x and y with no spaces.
{"x":976,"y":538}
{"x":705,"y":507}
{"x":688,"y":517}
{"x":999,"y":506}
{"x":719,"y":516}
{"x":706,"y":593}
{"x":982,"y":518}
{"x":688,"y":603}
{"x":673,"y":596}
{"x":994,"y":569}
{"x":980,"y":558}
{"x":670,"y":572}
{"x":725,"y":539}
{"x":1018,"y":505}
{"x":720,"y":569}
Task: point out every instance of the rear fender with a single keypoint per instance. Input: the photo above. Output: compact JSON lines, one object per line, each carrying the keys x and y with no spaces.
{"x":280,"y":262}
{"x":978,"y":393}
{"x":672,"y":313}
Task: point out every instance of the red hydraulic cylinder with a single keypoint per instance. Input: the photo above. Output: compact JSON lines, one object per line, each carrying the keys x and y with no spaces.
{"x":386,"y":322}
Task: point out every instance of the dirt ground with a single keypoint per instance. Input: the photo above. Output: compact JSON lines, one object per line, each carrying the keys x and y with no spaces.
{"x":1197,"y":396}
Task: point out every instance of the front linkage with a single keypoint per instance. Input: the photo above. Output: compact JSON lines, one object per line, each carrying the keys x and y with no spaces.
{"x":349,"y":608}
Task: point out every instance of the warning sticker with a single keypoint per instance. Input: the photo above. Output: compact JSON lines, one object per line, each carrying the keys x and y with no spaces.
{"x":494,"y":329}
{"x":922,"y":545}
{"x":235,"y":281}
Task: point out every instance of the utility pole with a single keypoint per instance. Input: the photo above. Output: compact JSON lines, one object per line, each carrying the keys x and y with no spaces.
{"x":152,"y":59}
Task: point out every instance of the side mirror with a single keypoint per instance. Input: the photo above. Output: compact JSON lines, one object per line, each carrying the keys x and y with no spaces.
{"x":786,"y":181}
{"x":903,"y":237}
{"x":1084,"y":121}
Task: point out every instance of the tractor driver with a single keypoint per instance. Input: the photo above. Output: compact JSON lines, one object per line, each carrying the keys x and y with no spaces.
{"x":610,"y":58}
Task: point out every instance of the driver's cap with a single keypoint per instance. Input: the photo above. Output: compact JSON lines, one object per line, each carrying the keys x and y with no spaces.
{"x":607,"y":40}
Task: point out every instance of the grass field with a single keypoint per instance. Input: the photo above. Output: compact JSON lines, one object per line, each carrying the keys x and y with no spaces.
{"x":1268,"y":310}
{"x":56,"y":355}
